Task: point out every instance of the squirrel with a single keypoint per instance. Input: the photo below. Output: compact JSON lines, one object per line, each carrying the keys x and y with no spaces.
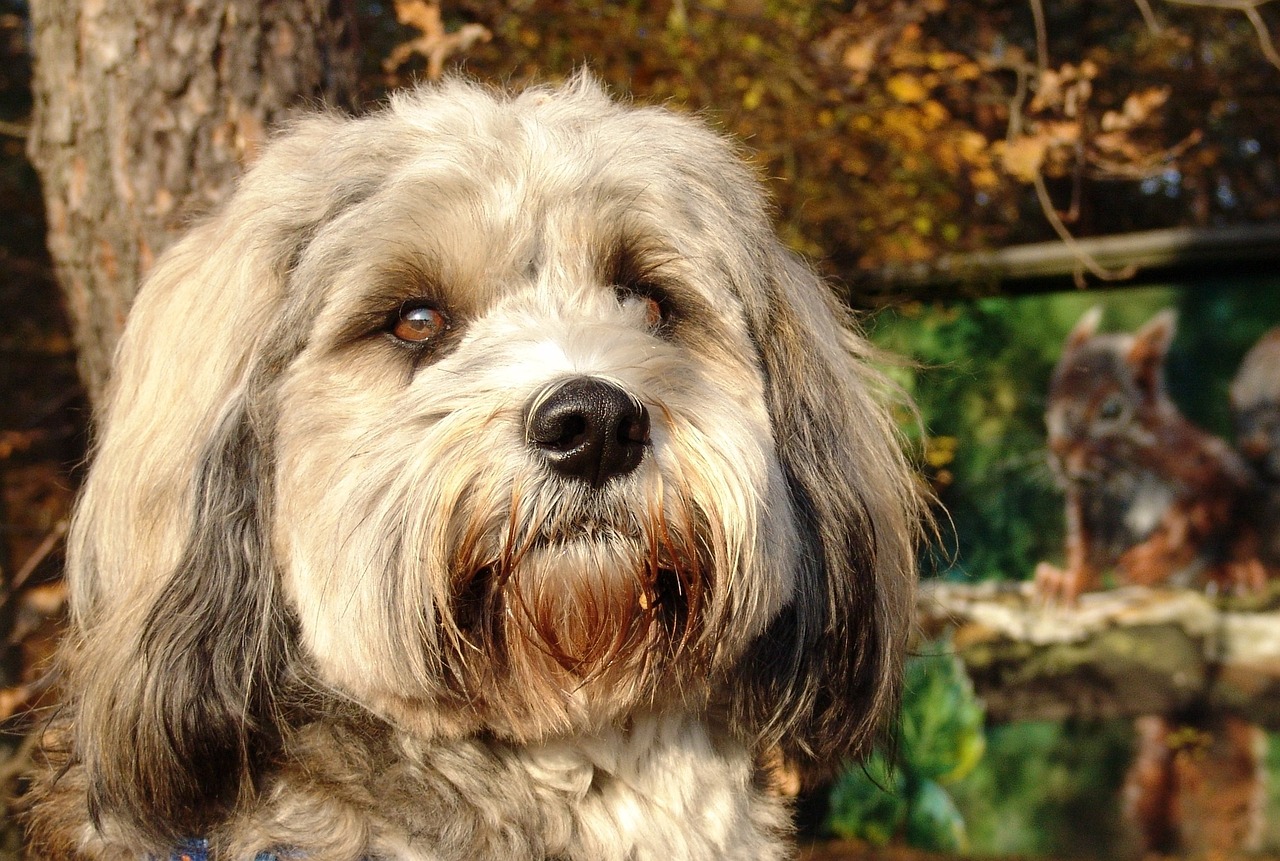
{"x":1148,"y":494}
{"x":1159,"y":501}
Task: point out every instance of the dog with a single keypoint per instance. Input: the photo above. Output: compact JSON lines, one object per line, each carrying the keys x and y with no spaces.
{"x":485,"y":481}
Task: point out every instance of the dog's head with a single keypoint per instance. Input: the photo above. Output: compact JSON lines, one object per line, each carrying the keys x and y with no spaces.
{"x":485,"y":414}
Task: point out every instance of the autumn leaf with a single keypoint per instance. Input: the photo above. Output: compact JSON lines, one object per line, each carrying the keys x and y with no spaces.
{"x":861,"y":56}
{"x":941,"y":451}
{"x":1138,"y":109}
{"x":906,"y":88}
{"x":434,"y":43}
{"x":1023,"y":156}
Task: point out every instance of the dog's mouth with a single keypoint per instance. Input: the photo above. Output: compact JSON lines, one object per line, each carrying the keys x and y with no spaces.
{"x":582,"y":604}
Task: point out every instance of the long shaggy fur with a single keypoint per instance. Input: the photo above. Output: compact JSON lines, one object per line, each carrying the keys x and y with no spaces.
{"x":328,"y":599}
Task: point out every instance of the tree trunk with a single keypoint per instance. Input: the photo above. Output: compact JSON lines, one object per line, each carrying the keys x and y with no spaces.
{"x":145,"y":113}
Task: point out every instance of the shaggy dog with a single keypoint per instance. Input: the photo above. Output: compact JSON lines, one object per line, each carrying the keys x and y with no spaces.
{"x":485,"y":481}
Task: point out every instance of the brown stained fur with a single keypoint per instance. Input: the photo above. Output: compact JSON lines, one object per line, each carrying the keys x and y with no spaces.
{"x":535,"y":633}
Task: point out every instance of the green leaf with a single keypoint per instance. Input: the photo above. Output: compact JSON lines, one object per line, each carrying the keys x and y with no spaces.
{"x":933,"y":821}
{"x":942,"y":720}
{"x":868,"y":803}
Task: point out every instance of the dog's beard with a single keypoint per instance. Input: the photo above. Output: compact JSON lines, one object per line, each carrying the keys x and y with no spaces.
{"x":583,"y":587}
{"x":577,"y":596}
{"x":473,"y":590}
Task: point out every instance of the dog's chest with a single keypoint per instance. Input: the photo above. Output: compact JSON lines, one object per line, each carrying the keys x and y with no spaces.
{"x":663,"y":790}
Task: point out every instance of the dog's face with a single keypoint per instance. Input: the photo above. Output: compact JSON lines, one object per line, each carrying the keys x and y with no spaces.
{"x":526,"y":478}
{"x":485,"y":414}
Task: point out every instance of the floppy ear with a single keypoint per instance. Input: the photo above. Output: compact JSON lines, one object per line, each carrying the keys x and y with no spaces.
{"x":179,"y":639}
{"x":185,"y":355}
{"x":821,"y":681}
{"x":177,"y":697}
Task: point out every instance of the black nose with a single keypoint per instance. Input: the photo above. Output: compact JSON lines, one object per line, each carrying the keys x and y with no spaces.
{"x":588,"y":429}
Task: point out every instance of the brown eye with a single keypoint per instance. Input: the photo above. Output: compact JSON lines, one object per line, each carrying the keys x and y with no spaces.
{"x":656,"y":313}
{"x":653,"y":312}
{"x":417,"y":324}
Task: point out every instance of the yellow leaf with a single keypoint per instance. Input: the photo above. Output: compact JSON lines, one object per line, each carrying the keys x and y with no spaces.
{"x":941,"y":451}
{"x":854,"y":164}
{"x":906,"y":88}
{"x":984,"y":179}
{"x":934,"y":113}
{"x":972,"y":144}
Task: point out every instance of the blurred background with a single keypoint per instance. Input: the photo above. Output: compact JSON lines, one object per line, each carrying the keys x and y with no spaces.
{"x":971,"y":176}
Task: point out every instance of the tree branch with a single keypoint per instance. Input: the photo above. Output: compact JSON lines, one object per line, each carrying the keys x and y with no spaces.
{"x":1250,"y":10}
{"x":1121,"y":653}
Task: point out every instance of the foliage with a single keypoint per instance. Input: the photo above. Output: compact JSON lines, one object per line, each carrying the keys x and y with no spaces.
{"x":902,"y":790}
{"x":1048,"y":789}
{"x":869,"y":803}
{"x":893,"y":131}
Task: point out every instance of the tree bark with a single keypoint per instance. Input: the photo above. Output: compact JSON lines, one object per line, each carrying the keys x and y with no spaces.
{"x":145,"y":113}
{"x":1123,"y":653}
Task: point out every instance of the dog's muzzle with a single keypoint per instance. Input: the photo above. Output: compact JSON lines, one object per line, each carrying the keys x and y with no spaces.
{"x":588,"y":429}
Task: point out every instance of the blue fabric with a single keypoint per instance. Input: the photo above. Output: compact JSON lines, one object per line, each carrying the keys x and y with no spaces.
{"x":198,"y":850}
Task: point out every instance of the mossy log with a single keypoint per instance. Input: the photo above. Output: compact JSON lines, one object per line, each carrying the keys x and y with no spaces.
{"x":1120,"y":653}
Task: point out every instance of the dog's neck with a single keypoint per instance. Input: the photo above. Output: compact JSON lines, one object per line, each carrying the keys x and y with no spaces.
{"x":630,"y":792}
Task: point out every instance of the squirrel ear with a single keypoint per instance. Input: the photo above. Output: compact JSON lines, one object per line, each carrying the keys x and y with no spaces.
{"x":1149,"y":346}
{"x":1085,"y":328}
{"x":1151,"y":342}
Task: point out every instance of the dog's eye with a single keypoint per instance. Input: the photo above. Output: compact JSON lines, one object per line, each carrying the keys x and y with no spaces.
{"x":654,"y":303}
{"x":653,"y":315}
{"x":417,"y":323}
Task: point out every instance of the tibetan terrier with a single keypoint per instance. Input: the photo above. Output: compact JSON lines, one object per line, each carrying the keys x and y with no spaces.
{"x":484,"y":481}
